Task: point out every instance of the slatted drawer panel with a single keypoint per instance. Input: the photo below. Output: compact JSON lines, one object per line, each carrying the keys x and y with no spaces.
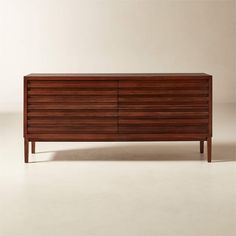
{"x":164,"y":106}
{"x":72,"y":107}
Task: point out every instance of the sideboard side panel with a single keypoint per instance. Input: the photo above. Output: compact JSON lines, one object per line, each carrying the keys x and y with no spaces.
{"x":210,"y":107}
{"x":25,"y":107}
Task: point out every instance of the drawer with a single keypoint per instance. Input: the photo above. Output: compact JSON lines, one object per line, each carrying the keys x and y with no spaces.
{"x":145,"y":94}
{"x":59,"y":124}
{"x":72,"y":107}
{"x":164,"y":106}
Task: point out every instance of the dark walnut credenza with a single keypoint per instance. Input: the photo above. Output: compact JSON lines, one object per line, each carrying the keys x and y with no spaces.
{"x":118,"y":107}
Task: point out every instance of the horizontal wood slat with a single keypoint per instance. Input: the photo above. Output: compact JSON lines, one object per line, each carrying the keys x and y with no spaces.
{"x":173,"y":103}
{"x":164,"y":122}
{"x":162,"y":137}
{"x":186,"y":92}
{"x":71,"y":106}
{"x":68,"y":130}
{"x":74,"y":137}
{"x":72,"y":84}
{"x":160,"y":129}
{"x":71,"y":99}
{"x":117,"y":137}
{"x":156,"y":99}
{"x":71,"y":125}
{"x":73,"y":113}
{"x":165,"y":84}
{"x":148,"y":106}
{"x":71,"y":92}
{"x":72,"y":119}
{"x":157,"y":114}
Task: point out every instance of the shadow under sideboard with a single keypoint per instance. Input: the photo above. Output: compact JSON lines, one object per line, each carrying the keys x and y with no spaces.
{"x":222,"y":152}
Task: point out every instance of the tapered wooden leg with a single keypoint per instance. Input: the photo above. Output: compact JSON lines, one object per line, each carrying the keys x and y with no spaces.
{"x":201,"y":146}
{"x":26,"y":146}
{"x":209,"y":146}
{"x":33,"y":147}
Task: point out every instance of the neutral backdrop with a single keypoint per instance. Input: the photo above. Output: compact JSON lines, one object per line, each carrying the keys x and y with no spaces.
{"x":116,"y":36}
{"x":117,"y":188}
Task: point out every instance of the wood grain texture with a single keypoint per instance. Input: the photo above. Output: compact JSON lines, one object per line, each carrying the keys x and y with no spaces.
{"x":195,"y":77}
{"x":118,"y":107}
{"x":161,"y":114}
{"x":72,"y":107}
{"x":161,"y":137}
{"x":163,"y":122}
{"x":167,"y":84}
{"x":71,"y":99}
{"x":71,"y":84}
{"x":115,"y":137}
{"x":165,"y":92}
{"x":163,"y":130}
{"x":73,"y":137}
{"x":64,"y":106}
{"x":162,"y":101}
{"x":73,"y":113}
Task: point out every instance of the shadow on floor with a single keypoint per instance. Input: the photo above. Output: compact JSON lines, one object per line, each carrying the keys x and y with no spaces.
{"x":222,"y":152}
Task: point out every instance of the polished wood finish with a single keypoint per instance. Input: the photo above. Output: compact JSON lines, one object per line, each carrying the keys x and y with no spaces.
{"x":118,"y":107}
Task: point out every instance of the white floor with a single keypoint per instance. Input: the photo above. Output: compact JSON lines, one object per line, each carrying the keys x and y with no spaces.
{"x":118,"y":189}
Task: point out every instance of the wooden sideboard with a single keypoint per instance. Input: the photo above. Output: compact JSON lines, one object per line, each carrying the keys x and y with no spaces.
{"x":118,"y":107}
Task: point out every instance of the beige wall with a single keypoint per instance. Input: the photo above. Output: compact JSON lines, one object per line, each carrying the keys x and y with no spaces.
{"x":116,"y":36}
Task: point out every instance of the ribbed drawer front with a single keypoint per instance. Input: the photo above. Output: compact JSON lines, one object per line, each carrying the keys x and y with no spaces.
{"x":72,"y":107}
{"x":164,"y":106}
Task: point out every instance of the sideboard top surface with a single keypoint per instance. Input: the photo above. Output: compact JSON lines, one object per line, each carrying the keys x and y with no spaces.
{"x":114,"y":76}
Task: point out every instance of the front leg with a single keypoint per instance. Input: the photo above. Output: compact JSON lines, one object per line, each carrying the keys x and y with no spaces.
{"x":209,"y":147}
{"x":26,"y":147}
{"x":201,"y":146}
{"x":33,"y":147}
